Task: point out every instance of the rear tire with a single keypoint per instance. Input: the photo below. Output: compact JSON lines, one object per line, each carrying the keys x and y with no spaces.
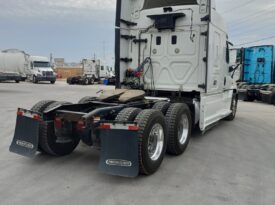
{"x":47,"y":138}
{"x":47,"y":142}
{"x":162,"y":106}
{"x":86,"y":81}
{"x":248,"y":98}
{"x":52,"y":82}
{"x":128,"y":114}
{"x":69,"y":80}
{"x":273,"y":97}
{"x":86,"y":99}
{"x":41,"y":106}
{"x":34,"y":79}
{"x":152,"y":140}
{"x":92,"y":81}
{"x":179,"y":125}
{"x":55,"y":104}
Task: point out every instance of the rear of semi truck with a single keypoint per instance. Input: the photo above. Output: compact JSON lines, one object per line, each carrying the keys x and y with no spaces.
{"x":91,"y":73}
{"x":172,"y":75}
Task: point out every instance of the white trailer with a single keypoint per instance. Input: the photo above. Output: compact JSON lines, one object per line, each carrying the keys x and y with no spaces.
{"x":13,"y":65}
{"x":172,"y":75}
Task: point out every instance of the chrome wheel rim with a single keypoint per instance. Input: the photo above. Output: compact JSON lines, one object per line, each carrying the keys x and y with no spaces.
{"x":155,"y":142}
{"x":183,"y":129}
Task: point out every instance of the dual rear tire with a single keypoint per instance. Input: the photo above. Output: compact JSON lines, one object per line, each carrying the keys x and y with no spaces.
{"x":179,"y":124}
{"x":152,"y":140}
{"x":165,"y":128}
{"x":47,"y":138}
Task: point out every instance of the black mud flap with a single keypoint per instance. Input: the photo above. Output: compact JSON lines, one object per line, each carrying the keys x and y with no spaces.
{"x":119,"y":152}
{"x":25,"y":140}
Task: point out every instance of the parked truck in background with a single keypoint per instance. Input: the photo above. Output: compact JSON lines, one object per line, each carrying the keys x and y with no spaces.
{"x":18,"y":65}
{"x":40,"y":69}
{"x":257,"y":80}
{"x":107,"y":74}
{"x":93,"y":71}
{"x":172,"y":75}
{"x":258,"y":66}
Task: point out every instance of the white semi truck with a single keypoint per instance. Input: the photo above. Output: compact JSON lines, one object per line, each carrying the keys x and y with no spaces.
{"x":172,"y":75}
{"x":40,"y":70}
{"x":17,"y":65}
{"x":93,"y":71}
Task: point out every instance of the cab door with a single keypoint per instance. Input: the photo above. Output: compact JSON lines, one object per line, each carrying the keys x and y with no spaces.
{"x":216,"y":102}
{"x":216,"y":62}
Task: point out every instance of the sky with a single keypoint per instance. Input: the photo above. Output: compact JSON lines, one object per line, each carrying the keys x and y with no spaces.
{"x":76,"y":29}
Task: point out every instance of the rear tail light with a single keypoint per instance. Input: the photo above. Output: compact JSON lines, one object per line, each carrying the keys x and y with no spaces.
{"x":20,"y":113}
{"x":58,"y":122}
{"x":133,"y":127}
{"x":130,"y":127}
{"x":29,"y":115}
{"x":36,"y":117}
{"x":81,"y":125}
{"x":105,"y":126}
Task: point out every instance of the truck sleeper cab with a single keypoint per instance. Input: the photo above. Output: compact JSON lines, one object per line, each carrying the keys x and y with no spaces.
{"x":172,"y":75}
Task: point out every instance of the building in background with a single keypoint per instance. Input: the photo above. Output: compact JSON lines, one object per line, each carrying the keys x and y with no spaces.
{"x":65,"y":70}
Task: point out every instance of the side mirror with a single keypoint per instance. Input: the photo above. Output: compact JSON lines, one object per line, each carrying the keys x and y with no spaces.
{"x":231,"y":69}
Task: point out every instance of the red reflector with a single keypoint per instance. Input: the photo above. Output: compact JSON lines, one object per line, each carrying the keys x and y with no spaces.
{"x":133,"y":127}
{"x":36,"y":117}
{"x":58,"y":122}
{"x":20,"y":113}
{"x":105,"y":126}
{"x":81,"y":125}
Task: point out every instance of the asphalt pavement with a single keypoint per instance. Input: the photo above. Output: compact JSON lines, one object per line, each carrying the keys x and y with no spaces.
{"x":233,"y":163}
